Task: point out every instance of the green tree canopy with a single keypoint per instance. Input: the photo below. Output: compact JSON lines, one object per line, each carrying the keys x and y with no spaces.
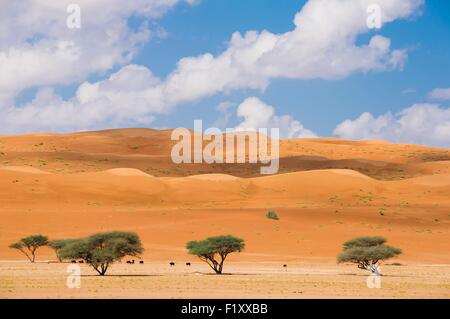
{"x":102,"y":249}
{"x":58,"y":244}
{"x":364,"y":242}
{"x":221,"y":246}
{"x":367,"y":252}
{"x":29,"y":245}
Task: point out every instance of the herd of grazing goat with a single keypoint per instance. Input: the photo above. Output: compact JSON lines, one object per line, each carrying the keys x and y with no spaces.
{"x":132,"y":262}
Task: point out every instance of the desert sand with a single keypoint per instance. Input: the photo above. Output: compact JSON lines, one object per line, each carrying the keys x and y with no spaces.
{"x":242,"y":280}
{"x":327,"y":191}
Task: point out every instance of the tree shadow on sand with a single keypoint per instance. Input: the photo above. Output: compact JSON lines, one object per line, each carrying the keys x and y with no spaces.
{"x":368,"y":274}
{"x":222,"y":274}
{"x":129,"y":275}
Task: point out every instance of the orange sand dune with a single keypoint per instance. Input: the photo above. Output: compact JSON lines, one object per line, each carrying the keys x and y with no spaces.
{"x":327,"y":190}
{"x":149,"y":151}
{"x":24,"y":184}
{"x":318,"y":209}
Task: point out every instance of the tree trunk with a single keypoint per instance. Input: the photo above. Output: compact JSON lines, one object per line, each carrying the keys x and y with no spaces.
{"x":212,"y":263}
{"x":33,"y":253}
{"x":98,"y":270}
{"x":102,"y":269}
{"x":217,"y":267}
{"x":222,"y":260}
{"x":58,"y":256}
{"x":25,"y":253}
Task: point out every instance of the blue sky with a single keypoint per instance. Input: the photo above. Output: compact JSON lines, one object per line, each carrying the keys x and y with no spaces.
{"x":207,"y":27}
{"x":311,"y":68}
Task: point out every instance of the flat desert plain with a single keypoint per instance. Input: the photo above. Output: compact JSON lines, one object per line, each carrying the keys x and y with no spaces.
{"x":241,"y":280}
{"x":327,"y":191}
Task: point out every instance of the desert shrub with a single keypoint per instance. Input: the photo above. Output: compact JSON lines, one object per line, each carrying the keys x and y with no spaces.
{"x":29,"y":245}
{"x":366,"y":252}
{"x":272,"y":215}
{"x":220,"y":246}
{"x":102,"y":249}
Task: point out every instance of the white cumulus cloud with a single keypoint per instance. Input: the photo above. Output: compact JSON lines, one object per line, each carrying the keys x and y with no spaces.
{"x":426,"y":124}
{"x":127,"y":96}
{"x":38,"y":49}
{"x":321,"y":45}
{"x":42,"y":52}
{"x":440,"y":94}
{"x":255,"y":114}
{"x":225,"y":109}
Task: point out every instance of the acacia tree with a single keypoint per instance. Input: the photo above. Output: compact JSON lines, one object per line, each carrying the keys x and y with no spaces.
{"x":29,"y":245}
{"x":58,"y":244}
{"x":366,"y":252}
{"x":221,"y":246}
{"x":102,"y":249}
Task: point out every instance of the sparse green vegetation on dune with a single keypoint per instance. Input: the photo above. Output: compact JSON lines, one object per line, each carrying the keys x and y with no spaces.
{"x":150,"y":151}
